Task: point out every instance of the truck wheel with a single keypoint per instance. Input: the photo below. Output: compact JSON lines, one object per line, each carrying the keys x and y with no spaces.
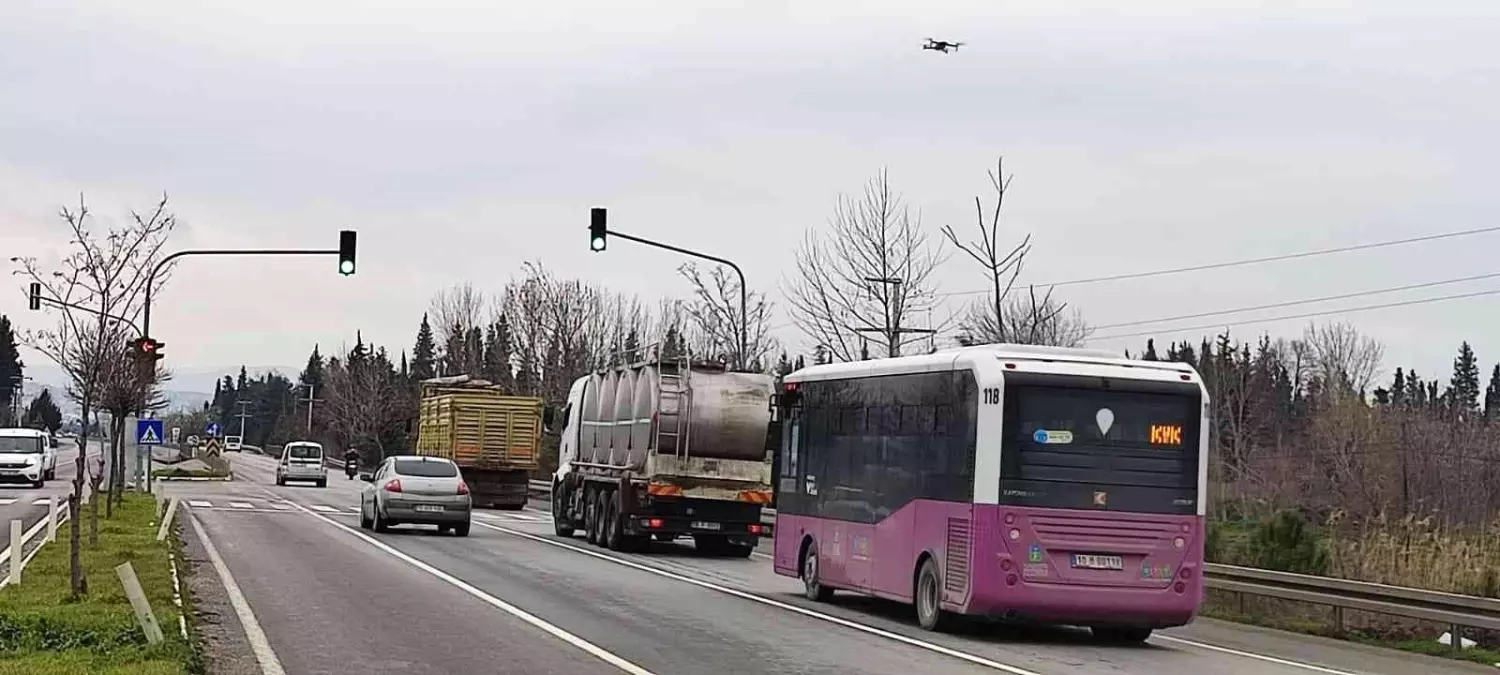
{"x":613,"y":538}
{"x":738,"y":550}
{"x":560,"y":523}
{"x":591,"y":515}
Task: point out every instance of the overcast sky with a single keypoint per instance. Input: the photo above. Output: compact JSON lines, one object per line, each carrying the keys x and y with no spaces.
{"x":463,"y":138}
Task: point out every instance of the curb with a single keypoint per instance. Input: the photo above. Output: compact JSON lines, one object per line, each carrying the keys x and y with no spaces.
{"x":195,"y":478}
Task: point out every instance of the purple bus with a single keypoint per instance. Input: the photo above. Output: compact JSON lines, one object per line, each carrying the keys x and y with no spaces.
{"x":1034,"y":484}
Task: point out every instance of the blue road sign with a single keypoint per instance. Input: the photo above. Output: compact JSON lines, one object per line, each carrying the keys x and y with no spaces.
{"x":212,"y":430}
{"x":148,"y":432}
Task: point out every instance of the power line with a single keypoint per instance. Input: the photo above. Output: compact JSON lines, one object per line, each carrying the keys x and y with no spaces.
{"x":1250,"y":261}
{"x":1307,"y":301}
{"x":1308,"y":315}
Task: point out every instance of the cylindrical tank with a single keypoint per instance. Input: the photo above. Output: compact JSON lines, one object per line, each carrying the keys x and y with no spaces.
{"x":590,"y":416}
{"x":640,"y":424}
{"x":729,"y":413}
{"x":620,"y":416}
{"x":605,"y":413}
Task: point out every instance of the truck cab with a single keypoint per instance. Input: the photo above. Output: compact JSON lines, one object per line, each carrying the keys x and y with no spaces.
{"x":568,"y":420}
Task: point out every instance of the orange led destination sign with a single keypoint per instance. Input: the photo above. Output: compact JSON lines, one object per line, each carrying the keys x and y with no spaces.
{"x":1166,"y":434}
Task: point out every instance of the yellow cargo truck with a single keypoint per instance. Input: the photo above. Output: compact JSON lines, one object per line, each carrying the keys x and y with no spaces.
{"x":493,"y":437}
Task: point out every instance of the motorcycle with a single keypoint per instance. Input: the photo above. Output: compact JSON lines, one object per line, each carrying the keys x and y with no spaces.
{"x":350,"y":468}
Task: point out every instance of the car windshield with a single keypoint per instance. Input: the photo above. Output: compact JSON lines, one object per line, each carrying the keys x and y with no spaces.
{"x":22,"y":444}
{"x":425,"y":468}
{"x":304,"y":452}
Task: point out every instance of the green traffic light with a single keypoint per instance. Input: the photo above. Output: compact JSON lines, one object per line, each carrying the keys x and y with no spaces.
{"x":346,"y":267}
{"x":597,"y":243}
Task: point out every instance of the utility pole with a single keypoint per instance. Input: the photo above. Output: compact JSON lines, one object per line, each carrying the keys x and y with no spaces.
{"x":310,"y":401}
{"x":892,"y":331}
{"x":242,"y":417}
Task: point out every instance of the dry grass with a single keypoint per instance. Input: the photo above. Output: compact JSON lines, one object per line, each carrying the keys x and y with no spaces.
{"x":1418,"y":552}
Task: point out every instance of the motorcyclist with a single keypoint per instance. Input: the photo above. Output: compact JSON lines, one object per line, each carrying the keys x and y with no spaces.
{"x":351,"y":462}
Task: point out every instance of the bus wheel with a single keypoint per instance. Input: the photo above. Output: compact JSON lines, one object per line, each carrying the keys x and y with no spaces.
{"x":1121,"y":634}
{"x":560,"y":523}
{"x":812,"y":585}
{"x":930,"y":614}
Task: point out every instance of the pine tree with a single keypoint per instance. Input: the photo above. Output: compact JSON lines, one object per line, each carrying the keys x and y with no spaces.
{"x":802,"y":363}
{"x":1463,"y":387}
{"x":1398,"y":388}
{"x":312,"y":374}
{"x":473,"y":362}
{"x":243,"y":382}
{"x":1492,"y":395}
{"x":424,"y":354}
{"x":497,"y":355}
{"x":43,"y":413}
{"x":11,"y":366}
{"x":1150,"y":354}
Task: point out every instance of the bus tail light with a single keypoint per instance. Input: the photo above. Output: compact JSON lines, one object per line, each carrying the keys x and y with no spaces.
{"x":1179,"y":587}
{"x":1005,"y":564}
{"x":1015,"y":534}
{"x":1010,"y":519}
{"x":1010,"y":579}
{"x":1186,"y":573}
{"x":1178,"y":542}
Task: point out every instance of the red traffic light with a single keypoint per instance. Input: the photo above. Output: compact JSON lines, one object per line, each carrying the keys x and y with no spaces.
{"x":146,"y":348}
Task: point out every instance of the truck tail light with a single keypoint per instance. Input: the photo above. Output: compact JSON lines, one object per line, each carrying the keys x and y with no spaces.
{"x":393,"y":486}
{"x":755,"y":529}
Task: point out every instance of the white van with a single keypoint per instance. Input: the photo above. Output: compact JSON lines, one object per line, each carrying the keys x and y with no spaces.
{"x":27,"y":455}
{"x":302,"y":460}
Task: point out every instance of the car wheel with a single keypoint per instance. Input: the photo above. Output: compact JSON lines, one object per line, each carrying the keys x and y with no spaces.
{"x":461,"y":529}
{"x":812,"y":582}
{"x":930,"y":614}
{"x":364,"y":523}
{"x":561,"y":526}
{"x":323,"y":483}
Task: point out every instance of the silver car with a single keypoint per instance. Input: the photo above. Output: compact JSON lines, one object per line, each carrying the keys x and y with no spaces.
{"x":418,"y":491}
{"x":302,"y":460}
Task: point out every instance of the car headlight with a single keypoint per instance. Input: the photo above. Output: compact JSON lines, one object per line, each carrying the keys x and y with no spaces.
{"x":33,"y":460}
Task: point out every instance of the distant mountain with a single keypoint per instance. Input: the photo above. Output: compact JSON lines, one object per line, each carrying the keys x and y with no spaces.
{"x":189,"y":388}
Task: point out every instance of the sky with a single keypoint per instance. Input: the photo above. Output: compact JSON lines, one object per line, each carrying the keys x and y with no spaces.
{"x":462,"y":139}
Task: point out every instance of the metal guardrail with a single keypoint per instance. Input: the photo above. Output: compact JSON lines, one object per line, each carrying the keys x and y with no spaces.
{"x":1413,"y":603}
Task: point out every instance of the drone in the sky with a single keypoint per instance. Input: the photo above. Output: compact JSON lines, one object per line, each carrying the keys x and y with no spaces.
{"x":942,"y":45}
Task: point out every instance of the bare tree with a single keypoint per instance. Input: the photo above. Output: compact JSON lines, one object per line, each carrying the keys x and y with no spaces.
{"x":456,"y":311}
{"x":1342,"y":360}
{"x":715,"y":315}
{"x":362,"y":401}
{"x":108,"y":275}
{"x":868,"y":275}
{"x":1000,"y":316}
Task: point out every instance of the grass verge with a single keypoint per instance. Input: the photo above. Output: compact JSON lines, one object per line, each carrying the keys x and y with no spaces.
{"x":43,"y":633}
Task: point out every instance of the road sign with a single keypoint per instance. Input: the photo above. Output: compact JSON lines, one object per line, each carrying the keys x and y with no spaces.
{"x":212,"y":430}
{"x":148,"y":432}
{"x":192,"y":440}
{"x":213,"y":448}
{"x":176,"y":435}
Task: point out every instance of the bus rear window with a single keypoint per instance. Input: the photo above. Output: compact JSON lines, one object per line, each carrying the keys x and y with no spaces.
{"x":1100,"y":449}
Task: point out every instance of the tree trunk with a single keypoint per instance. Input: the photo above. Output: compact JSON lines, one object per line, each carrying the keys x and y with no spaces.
{"x":78,"y":584}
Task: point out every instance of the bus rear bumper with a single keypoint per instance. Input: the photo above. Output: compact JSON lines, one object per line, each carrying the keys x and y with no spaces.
{"x":1071,"y":604}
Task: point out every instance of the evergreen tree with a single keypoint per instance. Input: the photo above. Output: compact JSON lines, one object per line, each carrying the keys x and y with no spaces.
{"x":43,"y":413}
{"x":1492,"y":395}
{"x":1398,"y":388}
{"x":1150,"y":354}
{"x":243,"y":380}
{"x":473,"y":362}
{"x":312,"y":374}
{"x":11,"y":366}
{"x":424,"y":354}
{"x":1463,"y":387}
{"x":497,"y":355}
{"x":783,"y":365}
{"x":802,"y":363}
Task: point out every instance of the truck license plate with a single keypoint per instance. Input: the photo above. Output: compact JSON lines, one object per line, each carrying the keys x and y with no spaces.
{"x":1098,"y":562}
{"x":429,"y":508}
{"x":700,"y":525}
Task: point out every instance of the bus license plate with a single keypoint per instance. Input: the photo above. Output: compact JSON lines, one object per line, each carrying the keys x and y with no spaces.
{"x":1098,"y":562}
{"x":428,"y":508}
{"x":700,"y":525}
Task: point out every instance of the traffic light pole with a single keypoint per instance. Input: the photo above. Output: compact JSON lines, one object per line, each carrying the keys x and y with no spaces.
{"x":744,"y":313}
{"x":151,"y":278}
{"x":81,"y":308}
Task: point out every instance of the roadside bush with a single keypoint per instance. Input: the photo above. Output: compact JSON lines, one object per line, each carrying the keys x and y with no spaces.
{"x":1287,"y":542}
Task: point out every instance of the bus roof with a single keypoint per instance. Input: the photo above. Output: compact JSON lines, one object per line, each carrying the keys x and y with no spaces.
{"x":948,"y":359}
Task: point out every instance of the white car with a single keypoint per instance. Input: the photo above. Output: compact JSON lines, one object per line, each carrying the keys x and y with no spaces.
{"x":27,"y":455}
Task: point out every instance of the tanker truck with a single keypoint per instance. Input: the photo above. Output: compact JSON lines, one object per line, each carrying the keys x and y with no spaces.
{"x":662,"y":449}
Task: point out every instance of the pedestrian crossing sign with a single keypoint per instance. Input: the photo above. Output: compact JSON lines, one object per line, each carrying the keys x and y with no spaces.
{"x":148,"y":432}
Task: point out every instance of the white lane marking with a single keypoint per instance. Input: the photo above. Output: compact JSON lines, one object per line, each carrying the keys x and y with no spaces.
{"x":921,"y":644}
{"x":588,"y":647}
{"x":41,"y":501}
{"x":62,"y":517}
{"x":242,"y":505}
{"x":281,"y":506}
{"x":269,"y":664}
{"x":324,"y":509}
{"x":1251,"y":655}
{"x":7,"y":502}
{"x":353,"y":509}
{"x":200,"y":503}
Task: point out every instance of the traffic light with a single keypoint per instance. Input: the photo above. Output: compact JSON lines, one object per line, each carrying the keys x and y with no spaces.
{"x":34,"y":298}
{"x":147,"y":349}
{"x":596,"y":229}
{"x":346,"y":252}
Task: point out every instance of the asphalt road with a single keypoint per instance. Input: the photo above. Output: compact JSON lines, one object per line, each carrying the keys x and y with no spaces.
{"x":512,"y":597}
{"x":30,"y":504}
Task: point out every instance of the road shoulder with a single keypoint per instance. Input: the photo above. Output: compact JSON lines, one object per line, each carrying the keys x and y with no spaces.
{"x":221,"y":636}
